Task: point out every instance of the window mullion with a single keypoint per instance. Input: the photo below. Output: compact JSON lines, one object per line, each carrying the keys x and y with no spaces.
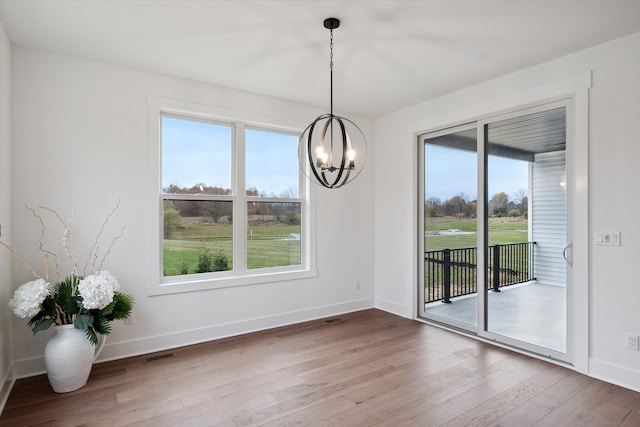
{"x":240,"y":204}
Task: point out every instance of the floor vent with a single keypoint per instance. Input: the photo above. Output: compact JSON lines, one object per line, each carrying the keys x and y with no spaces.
{"x":336,"y":319}
{"x":159,"y":357}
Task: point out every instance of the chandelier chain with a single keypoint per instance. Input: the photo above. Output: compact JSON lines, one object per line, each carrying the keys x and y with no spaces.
{"x":331,"y":69}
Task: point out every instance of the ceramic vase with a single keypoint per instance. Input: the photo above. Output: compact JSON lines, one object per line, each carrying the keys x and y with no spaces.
{"x":68,"y":357}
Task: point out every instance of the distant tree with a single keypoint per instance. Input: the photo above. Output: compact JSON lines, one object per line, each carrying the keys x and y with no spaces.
{"x":172,"y":221}
{"x":289,"y":193}
{"x":471,"y":209}
{"x":216,"y":209}
{"x":455,"y":205}
{"x":498,"y":204}
{"x":433,"y":207}
{"x":520,"y":200}
{"x":293,"y":218}
{"x":500,"y":212}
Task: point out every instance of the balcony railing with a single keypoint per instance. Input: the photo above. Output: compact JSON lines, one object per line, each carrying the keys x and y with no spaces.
{"x":450,"y":273}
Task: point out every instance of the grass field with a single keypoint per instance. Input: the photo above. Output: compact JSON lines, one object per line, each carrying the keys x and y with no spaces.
{"x":268,"y":245}
{"x":501,"y":231}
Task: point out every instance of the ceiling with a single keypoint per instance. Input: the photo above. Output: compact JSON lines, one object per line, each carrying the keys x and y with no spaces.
{"x":387,"y":54}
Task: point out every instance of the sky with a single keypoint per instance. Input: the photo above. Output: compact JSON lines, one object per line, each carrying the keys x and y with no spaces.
{"x":196,"y":152}
{"x":451,"y":172}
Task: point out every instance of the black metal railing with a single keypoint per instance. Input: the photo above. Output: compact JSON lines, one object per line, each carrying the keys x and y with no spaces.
{"x":450,"y":273}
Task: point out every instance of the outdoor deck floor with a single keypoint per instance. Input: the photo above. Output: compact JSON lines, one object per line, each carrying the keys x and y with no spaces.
{"x":533,"y":313}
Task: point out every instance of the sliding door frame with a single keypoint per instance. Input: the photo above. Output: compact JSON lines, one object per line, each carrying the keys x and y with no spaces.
{"x":575,"y":100}
{"x":483,"y":297}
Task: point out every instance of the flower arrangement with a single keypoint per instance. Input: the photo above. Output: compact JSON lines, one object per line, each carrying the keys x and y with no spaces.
{"x":88,"y":302}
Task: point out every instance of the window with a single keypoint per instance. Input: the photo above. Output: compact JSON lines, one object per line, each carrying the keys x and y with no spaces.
{"x":197,"y":203}
{"x":273,"y":203}
{"x":232,"y":209}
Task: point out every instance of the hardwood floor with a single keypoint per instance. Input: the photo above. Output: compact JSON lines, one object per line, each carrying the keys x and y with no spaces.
{"x":368,"y":368}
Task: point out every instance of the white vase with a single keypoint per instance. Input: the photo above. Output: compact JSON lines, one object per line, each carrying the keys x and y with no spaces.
{"x":69,"y":356}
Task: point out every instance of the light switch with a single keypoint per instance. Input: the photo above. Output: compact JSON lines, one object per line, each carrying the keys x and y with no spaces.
{"x":608,"y":239}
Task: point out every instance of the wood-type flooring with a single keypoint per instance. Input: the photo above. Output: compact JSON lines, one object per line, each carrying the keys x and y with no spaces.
{"x":368,"y":368}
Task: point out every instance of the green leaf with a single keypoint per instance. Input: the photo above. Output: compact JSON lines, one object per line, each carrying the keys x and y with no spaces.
{"x":83,"y":321}
{"x":42,"y":325}
{"x":102,"y":325}
{"x":123,"y":304}
{"x":49,"y":307}
{"x":109,"y":309}
{"x":37,"y":318}
{"x":64,"y":296}
{"x":91,"y":335}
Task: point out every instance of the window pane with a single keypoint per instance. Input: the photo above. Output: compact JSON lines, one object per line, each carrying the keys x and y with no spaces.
{"x":272,"y":164}
{"x":450,"y":225}
{"x":273,"y":234}
{"x":196,"y":157}
{"x":197,"y":236}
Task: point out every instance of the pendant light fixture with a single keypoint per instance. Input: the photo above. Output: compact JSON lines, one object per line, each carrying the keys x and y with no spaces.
{"x":332,"y":150}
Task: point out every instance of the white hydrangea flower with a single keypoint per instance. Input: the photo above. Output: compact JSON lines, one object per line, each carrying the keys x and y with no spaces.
{"x":27,"y":298}
{"x":97,"y":290}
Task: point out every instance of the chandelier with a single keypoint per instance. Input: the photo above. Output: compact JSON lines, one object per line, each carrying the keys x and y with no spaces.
{"x":332,"y":150}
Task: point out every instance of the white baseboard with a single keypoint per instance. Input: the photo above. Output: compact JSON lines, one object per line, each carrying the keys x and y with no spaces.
{"x":614,"y":374}
{"x":120,"y":350}
{"x":394,"y":308}
{"x":7,"y":385}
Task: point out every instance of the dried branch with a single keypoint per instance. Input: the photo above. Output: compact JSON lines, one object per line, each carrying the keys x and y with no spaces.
{"x":110,"y":246}
{"x":19,"y":258}
{"x":93,"y":251}
{"x":67,"y":246}
{"x":46,"y":252}
{"x":57,"y":215}
{"x":65,"y":239}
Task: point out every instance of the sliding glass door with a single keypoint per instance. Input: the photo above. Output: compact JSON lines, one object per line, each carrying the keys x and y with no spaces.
{"x":495,"y":242}
{"x":527,"y":233}
{"x":450,"y":184}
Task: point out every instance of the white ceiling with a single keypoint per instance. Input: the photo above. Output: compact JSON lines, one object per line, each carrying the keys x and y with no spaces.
{"x":387,"y":54}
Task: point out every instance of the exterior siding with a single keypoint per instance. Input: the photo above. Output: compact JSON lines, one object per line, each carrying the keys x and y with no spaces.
{"x":549,"y":217}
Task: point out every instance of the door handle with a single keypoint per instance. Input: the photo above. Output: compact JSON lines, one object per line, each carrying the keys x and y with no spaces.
{"x":565,"y":251}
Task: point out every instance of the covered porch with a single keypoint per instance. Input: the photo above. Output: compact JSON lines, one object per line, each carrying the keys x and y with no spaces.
{"x":530,"y":312}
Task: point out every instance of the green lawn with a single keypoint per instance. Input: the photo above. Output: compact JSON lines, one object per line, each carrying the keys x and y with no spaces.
{"x":268,"y":245}
{"x":501,"y":231}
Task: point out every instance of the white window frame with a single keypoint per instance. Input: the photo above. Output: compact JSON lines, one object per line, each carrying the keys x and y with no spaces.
{"x":240,"y":275}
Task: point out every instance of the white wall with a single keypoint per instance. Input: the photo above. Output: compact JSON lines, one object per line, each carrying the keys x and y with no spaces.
{"x":6,"y":346}
{"x":80,"y":141}
{"x":614,"y":104}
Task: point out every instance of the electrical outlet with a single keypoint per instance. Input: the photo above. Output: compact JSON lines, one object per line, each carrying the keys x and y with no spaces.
{"x":129,"y":320}
{"x":357,"y":284}
{"x":632,"y":341}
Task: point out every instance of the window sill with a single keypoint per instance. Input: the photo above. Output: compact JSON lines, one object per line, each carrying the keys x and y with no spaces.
{"x":207,"y":283}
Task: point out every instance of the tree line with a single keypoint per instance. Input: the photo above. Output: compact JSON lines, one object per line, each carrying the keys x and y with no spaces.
{"x":214,"y":211}
{"x":461,"y":206}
